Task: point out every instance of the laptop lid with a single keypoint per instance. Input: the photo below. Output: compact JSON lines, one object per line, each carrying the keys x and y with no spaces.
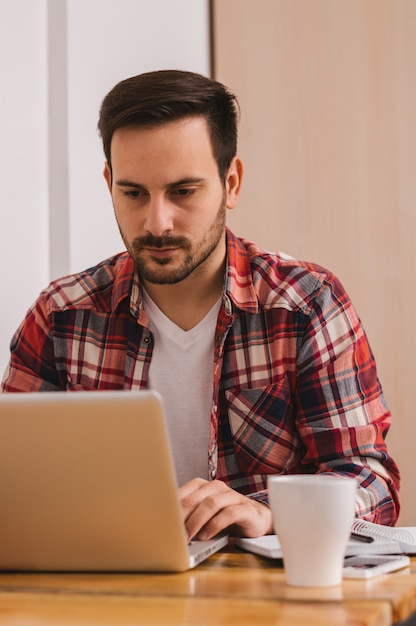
{"x":87,"y":482}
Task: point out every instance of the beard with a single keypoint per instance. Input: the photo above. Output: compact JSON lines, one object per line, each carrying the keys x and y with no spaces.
{"x":164,"y":271}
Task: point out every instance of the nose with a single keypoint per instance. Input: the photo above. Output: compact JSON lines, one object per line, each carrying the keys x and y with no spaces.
{"x":159,"y":217}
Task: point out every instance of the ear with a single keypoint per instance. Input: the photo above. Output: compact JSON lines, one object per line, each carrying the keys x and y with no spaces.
{"x":233,"y":182}
{"x":108,"y":176}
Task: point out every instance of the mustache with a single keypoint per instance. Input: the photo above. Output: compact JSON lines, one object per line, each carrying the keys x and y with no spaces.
{"x":150,"y":241}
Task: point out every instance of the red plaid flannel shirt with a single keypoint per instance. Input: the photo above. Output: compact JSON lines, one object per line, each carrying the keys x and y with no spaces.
{"x":295,"y":382}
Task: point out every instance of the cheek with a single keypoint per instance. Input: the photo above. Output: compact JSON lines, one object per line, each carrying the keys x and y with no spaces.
{"x":129,"y":223}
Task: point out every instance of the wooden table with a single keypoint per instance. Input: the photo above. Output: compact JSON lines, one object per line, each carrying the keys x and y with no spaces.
{"x":229,"y":588}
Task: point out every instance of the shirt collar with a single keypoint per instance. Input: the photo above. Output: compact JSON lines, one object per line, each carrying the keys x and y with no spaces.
{"x":126,"y":285}
{"x":239,"y":282}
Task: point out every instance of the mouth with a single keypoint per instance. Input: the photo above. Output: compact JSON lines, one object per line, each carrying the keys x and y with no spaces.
{"x":161,"y":253}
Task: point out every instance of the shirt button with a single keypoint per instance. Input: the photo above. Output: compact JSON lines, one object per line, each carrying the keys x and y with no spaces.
{"x":147,"y":340}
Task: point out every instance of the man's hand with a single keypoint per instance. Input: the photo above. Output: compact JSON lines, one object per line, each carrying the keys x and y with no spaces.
{"x":211,"y":507}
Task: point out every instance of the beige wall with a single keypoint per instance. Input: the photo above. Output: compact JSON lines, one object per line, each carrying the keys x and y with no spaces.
{"x":328,"y":137}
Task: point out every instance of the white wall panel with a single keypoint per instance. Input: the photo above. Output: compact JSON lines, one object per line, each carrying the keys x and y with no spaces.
{"x":23,"y":161}
{"x":58,"y":58}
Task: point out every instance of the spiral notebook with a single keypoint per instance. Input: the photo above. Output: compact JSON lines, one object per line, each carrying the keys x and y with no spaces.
{"x":405,"y":536}
{"x":367,"y":539}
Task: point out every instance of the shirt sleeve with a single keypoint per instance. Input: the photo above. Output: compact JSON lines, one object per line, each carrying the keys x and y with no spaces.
{"x":342,"y":417}
{"x":31,"y":365}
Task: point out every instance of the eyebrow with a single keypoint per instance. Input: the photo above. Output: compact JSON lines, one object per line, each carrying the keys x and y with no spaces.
{"x":177,"y":183}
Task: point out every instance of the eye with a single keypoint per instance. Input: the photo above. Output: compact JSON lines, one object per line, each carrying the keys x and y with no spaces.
{"x":184,"y":191}
{"x":132,"y":193}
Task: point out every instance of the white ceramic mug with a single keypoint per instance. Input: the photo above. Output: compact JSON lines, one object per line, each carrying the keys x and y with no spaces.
{"x":312,"y":516}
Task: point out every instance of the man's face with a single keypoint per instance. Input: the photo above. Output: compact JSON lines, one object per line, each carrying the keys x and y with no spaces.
{"x":168,"y":198}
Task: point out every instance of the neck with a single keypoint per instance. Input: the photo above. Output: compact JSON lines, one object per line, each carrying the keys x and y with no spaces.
{"x":186,"y":303}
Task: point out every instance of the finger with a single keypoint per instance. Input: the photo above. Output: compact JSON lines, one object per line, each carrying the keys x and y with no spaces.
{"x":191,"y":494}
{"x":233,"y":512}
{"x":227,"y":519}
{"x":196,"y":491}
{"x":204,"y":506}
{"x":190,"y":487}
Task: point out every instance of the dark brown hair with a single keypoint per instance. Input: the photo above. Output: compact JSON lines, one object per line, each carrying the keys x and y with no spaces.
{"x":156,"y":98}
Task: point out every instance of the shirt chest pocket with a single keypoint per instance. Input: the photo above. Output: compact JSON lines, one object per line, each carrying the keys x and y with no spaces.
{"x":263,"y":428}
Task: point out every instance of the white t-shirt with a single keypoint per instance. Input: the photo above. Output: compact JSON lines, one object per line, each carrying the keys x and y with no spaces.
{"x":182,"y":370}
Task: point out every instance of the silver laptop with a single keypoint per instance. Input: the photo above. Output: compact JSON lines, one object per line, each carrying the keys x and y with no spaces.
{"x":87,"y":483}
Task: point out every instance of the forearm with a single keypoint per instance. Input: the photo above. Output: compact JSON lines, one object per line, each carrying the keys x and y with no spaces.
{"x":352,"y":443}
{"x":378,"y":488}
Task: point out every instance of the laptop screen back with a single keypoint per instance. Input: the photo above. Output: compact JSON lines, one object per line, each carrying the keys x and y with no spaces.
{"x":87,"y":483}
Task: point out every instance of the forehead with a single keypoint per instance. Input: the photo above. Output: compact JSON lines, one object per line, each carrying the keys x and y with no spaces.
{"x":185,"y":138}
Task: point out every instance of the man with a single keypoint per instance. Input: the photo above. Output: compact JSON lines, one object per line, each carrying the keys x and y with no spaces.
{"x":261,"y":359}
